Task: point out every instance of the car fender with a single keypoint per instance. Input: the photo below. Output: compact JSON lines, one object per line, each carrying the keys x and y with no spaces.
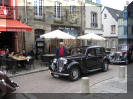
{"x":72,"y":64}
{"x":52,"y":67}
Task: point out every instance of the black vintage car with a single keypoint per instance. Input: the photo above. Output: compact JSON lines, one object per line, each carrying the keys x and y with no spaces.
{"x":81,"y":61}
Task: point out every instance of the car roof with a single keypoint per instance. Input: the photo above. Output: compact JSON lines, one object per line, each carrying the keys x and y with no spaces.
{"x":94,"y":46}
{"x":87,"y":47}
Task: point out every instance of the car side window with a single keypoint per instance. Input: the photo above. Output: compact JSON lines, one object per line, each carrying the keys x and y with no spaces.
{"x":99,"y":51}
{"x":91,"y":52}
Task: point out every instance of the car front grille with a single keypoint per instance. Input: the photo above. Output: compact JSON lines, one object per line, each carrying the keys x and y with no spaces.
{"x":117,"y":56}
{"x":60,"y":64}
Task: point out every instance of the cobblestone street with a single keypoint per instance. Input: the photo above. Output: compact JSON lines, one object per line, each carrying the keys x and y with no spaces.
{"x":43,"y":82}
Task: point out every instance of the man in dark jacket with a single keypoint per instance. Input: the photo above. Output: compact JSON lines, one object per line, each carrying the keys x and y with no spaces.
{"x":61,"y":51}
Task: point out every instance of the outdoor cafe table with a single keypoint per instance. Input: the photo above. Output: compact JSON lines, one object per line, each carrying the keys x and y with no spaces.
{"x":18,"y":59}
{"x":48,"y":57}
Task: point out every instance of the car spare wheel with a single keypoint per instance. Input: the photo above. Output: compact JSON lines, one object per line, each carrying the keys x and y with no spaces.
{"x":74,"y":73}
{"x":105,"y":66}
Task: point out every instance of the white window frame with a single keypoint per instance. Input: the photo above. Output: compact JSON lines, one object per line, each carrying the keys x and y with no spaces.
{"x":57,"y":10}
{"x":113,"y":29}
{"x":93,"y":19}
{"x":72,"y":9}
{"x":113,"y":44}
{"x":107,"y":44}
{"x":38,"y":4}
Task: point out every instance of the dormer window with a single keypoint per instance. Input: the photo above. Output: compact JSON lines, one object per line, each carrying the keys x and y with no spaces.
{"x":105,"y":16}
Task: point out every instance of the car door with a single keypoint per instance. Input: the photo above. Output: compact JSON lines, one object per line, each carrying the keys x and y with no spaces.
{"x":100,"y":53}
{"x":91,"y":59}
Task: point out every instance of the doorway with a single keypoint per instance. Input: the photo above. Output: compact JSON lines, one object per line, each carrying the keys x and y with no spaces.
{"x":7,"y":40}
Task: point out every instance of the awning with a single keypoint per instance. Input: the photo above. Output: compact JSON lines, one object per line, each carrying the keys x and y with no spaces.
{"x":14,"y":26}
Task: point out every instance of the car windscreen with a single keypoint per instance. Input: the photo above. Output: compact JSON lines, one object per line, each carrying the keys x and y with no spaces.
{"x":75,"y":51}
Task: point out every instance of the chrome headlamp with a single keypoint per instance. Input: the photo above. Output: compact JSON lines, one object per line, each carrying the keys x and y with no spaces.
{"x":55,"y":60}
{"x":64,"y":60}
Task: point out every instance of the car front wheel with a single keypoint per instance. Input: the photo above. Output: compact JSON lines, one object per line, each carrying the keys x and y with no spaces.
{"x":105,"y":66}
{"x":74,"y":73}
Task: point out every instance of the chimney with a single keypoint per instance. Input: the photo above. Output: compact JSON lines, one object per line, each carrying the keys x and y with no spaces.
{"x":127,"y":3}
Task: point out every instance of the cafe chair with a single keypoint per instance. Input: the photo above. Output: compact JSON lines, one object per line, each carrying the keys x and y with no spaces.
{"x":11,"y":65}
{"x":3,"y":63}
{"x":30,"y":63}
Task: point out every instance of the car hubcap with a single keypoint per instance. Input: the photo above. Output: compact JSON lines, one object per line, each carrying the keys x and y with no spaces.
{"x":106,"y":66}
{"x":75,"y":74}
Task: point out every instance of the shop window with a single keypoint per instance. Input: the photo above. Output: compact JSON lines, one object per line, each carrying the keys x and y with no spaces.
{"x":93,"y":19}
{"x":57,"y":10}
{"x":38,"y":8}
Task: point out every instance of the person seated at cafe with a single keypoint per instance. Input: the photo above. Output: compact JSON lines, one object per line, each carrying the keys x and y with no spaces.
{"x":23,"y":63}
{"x":6,"y":53}
{"x":11,"y":54}
{"x":23,"y":52}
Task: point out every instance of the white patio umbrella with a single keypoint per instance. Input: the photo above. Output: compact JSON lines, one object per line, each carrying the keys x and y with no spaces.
{"x":57,"y":34}
{"x":91,"y":36}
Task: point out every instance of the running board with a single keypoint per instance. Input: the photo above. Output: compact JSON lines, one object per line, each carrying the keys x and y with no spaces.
{"x":94,"y":70}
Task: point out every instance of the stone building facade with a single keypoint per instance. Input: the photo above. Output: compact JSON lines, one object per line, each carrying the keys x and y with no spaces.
{"x":47,"y":15}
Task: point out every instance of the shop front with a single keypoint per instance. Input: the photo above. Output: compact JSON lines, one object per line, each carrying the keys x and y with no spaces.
{"x":9,"y":33}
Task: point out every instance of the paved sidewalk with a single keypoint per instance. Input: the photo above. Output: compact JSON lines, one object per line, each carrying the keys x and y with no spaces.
{"x":113,"y":85}
{"x":38,"y":66}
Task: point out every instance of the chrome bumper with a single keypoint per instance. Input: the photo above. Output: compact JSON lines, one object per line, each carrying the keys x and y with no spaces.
{"x":118,"y":61}
{"x":61,"y":74}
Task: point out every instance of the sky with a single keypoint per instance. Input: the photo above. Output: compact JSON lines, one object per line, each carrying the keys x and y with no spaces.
{"x":116,"y":4}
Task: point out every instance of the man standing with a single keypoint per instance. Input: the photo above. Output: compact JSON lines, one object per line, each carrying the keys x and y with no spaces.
{"x":61,"y":51}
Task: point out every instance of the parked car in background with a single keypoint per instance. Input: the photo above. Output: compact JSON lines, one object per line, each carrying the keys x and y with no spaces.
{"x":82,"y":60}
{"x":123,"y":55}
